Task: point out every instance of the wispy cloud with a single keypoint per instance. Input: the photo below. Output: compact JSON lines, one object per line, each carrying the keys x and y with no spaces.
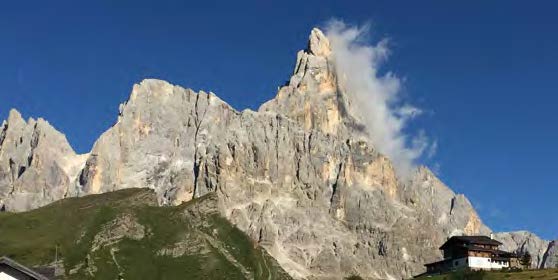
{"x":376,"y":98}
{"x":496,"y":213}
{"x":432,"y":149}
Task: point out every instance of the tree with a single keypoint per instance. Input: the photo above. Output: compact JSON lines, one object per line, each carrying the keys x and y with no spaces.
{"x":525,"y":260}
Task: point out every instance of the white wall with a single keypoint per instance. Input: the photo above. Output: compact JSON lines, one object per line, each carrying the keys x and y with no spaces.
{"x":4,"y":276}
{"x":484,"y":263}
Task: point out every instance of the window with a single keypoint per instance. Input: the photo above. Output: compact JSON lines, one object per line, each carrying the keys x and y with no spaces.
{"x":456,"y":263}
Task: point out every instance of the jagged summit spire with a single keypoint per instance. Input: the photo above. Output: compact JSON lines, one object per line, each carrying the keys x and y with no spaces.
{"x":14,"y":116}
{"x":311,"y":96}
{"x":318,"y":43}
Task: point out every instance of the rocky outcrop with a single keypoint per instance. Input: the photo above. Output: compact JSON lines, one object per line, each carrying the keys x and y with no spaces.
{"x":311,"y":97}
{"x":543,"y":253}
{"x":37,"y":165}
{"x":299,"y":176}
{"x":550,"y":257}
{"x":124,"y":226}
{"x":524,"y":241}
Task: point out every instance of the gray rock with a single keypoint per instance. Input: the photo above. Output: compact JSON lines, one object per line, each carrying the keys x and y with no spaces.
{"x":37,"y":165}
{"x":550,"y":257}
{"x":543,"y":252}
{"x":124,"y":226}
{"x":299,"y":176}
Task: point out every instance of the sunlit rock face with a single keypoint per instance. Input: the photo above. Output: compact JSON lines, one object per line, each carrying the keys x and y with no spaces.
{"x":37,"y":165}
{"x":311,"y":97}
{"x":298,"y":176}
{"x":544,"y":254}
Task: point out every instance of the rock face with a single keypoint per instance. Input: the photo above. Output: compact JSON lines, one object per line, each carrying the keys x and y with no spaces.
{"x":37,"y":165}
{"x":550,"y":258}
{"x":544,"y":254}
{"x":298,"y":176}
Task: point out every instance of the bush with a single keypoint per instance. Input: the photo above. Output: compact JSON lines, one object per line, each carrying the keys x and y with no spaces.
{"x":353,"y":277}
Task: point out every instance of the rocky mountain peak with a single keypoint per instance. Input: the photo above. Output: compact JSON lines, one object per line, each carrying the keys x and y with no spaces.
{"x":158,"y":93}
{"x":318,"y":43}
{"x":296,"y":176}
{"x":37,"y":164}
{"x":14,"y":117}
{"x":311,"y":97}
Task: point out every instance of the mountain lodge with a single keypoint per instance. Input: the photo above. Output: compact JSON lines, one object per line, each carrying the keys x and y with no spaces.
{"x":472,"y":252}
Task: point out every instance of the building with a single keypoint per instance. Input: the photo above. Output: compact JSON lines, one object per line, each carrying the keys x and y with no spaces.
{"x":471,"y":252}
{"x":11,"y":270}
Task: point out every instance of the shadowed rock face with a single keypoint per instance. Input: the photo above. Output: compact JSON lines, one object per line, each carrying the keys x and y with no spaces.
{"x":298,"y":176}
{"x":550,"y":257}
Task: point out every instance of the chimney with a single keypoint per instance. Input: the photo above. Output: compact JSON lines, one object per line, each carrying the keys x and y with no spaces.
{"x":491,"y":235}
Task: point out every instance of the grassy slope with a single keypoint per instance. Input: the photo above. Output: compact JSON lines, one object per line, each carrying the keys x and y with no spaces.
{"x":542,"y":274}
{"x":223,"y":252}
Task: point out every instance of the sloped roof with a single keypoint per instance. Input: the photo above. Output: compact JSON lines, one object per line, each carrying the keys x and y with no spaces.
{"x":21,"y":268}
{"x":471,"y":239}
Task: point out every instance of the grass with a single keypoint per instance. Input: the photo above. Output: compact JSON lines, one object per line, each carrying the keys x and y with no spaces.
{"x":215,"y":249}
{"x":541,"y":274}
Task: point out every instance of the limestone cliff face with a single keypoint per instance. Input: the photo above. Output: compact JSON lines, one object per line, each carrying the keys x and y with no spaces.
{"x":37,"y":165}
{"x":550,"y":257}
{"x":544,"y":254}
{"x":323,"y":205}
{"x":298,"y":176}
{"x":311,"y":96}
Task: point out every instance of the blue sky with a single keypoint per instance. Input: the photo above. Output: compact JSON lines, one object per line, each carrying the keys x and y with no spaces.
{"x":485,"y":73}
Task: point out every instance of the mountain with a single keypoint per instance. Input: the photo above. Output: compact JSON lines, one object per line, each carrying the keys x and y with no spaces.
{"x":37,"y":164}
{"x":300,"y":176}
{"x":125,"y":233}
{"x":544,"y":253}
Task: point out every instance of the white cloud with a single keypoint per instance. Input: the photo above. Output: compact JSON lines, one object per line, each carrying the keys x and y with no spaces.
{"x":432,"y":149}
{"x":408,"y":112}
{"x":376,"y":99}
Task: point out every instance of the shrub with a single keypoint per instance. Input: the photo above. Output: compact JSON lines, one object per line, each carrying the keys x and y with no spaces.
{"x":353,"y":277}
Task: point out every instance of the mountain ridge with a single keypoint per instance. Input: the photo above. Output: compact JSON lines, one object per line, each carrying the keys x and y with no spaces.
{"x":299,"y":176}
